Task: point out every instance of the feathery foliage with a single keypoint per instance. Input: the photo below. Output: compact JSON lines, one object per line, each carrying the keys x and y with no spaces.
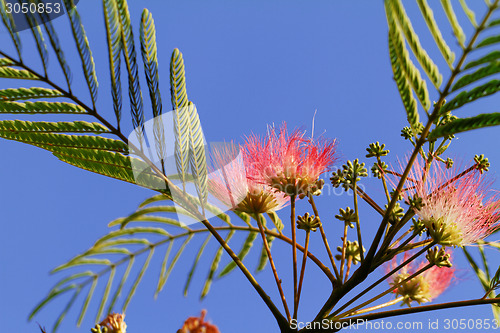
{"x":134,"y":239}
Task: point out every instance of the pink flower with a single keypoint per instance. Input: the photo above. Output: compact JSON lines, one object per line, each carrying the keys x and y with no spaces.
{"x":232,"y":182}
{"x":423,"y":288}
{"x":457,"y":211}
{"x":198,"y":325}
{"x":290,"y":163}
{"x":114,"y":323}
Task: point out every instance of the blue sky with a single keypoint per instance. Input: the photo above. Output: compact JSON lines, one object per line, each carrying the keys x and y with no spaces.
{"x":248,"y":64}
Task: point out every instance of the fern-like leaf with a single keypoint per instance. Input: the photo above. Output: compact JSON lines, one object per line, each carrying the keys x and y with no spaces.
{"x":197,"y":156}
{"x":396,"y":13}
{"x":9,"y":23}
{"x":12,"y":73}
{"x":195,"y":264}
{"x":149,"y":57}
{"x":20,"y":126}
{"x":181,"y":115}
{"x":115,"y":47}
{"x":39,"y":40}
{"x":245,"y":249}
{"x":28,"y":93}
{"x":130,"y":56}
{"x":428,"y":15}
{"x":452,"y":18}
{"x":82,"y":44}
{"x":469,"y":96}
{"x":489,"y":58}
{"x":56,"y":46}
{"x":41,"y":107}
{"x":408,"y":68}
{"x":466,"y":124}
{"x":214,"y":266}
{"x":404,"y":89}
{"x":481,"y":73}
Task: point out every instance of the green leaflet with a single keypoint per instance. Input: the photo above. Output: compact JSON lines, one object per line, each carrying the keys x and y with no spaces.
{"x":452,"y":18}
{"x":12,"y":73}
{"x":9,"y":23}
{"x":115,"y":47}
{"x":82,"y":261}
{"x":120,"y":285}
{"x":6,"y":62}
{"x":130,"y":56}
{"x":396,"y":12}
{"x":165,"y":274}
{"x":181,"y":115}
{"x":404,"y":89}
{"x":64,"y":140}
{"x":214,"y":266}
{"x":245,"y":249}
{"x":83,"y":47}
{"x":149,"y":57}
{"x":38,"y":36}
{"x":490,"y":57}
{"x":494,"y":23}
{"x":469,"y":96}
{"x":466,"y":124}
{"x":481,"y":73}
{"x":105,"y":296}
{"x":470,"y":13}
{"x":87,"y":301}
{"x":428,"y":15}
{"x":28,"y":93}
{"x":20,"y":126}
{"x":263,"y":259}
{"x":131,"y":231}
{"x":195,"y":264}
{"x":488,"y":41}
{"x":138,"y":279}
{"x":276,"y":221}
{"x":56,"y":46}
{"x":197,"y":157}
{"x":410,"y":71}
{"x":106,"y":163}
{"x":141,"y":215}
{"x":40,"y":107}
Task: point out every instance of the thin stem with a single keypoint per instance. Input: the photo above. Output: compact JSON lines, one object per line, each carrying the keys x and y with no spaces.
{"x":424,"y":308}
{"x":370,"y":201}
{"x":396,"y":242}
{"x":349,"y":263}
{"x":358,"y":226}
{"x":344,"y":248}
{"x":294,"y":251}
{"x":376,"y":283}
{"x":380,"y":306}
{"x":325,"y":240}
{"x":387,"y":291}
{"x":302,"y":271}
{"x":382,"y":172}
{"x":273,"y":267}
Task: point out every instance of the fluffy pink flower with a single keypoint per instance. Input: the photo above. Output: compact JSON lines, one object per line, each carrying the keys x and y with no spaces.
{"x":290,"y":163}
{"x":115,"y":323}
{"x":232,"y":182}
{"x":457,"y":211}
{"x":424,"y":287}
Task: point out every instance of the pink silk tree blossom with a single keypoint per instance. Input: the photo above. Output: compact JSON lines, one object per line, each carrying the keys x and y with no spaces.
{"x":457,"y":209}
{"x":290,"y":162}
{"x":232,"y":182}
{"x":423,"y":288}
